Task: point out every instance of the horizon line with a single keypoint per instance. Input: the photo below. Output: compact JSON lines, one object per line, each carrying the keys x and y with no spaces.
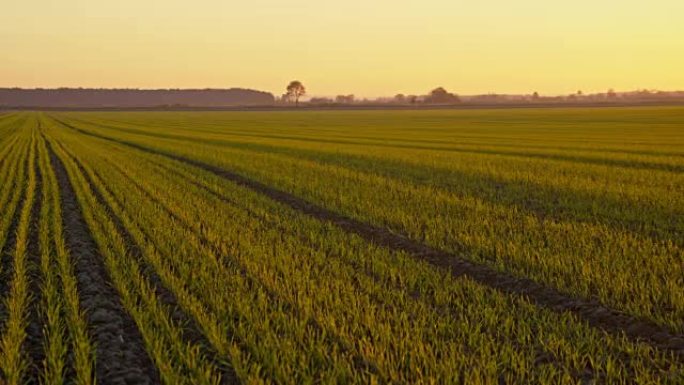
{"x":277,"y":94}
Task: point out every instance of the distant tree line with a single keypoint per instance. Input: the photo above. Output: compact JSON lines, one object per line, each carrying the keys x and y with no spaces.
{"x":295,"y":92}
{"x":440,"y":96}
{"x":122,"y":98}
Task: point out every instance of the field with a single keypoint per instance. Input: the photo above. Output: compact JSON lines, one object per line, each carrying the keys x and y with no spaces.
{"x":526,"y":246}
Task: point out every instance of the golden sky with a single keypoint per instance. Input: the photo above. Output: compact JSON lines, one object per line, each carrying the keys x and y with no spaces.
{"x":366,"y":47}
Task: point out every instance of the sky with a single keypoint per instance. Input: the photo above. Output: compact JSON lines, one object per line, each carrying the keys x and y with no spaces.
{"x":366,"y":47}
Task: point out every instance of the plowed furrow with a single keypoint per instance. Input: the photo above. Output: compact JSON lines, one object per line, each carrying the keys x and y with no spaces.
{"x":33,"y":344}
{"x":120,"y":351}
{"x":191,"y":331}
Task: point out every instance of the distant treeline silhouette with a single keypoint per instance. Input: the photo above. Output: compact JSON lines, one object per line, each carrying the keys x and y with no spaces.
{"x":441,"y":97}
{"x":236,"y":98}
{"x":102,"y":98}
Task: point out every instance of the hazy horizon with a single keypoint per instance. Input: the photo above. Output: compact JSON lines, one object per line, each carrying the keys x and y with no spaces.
{"x":370,"y":50}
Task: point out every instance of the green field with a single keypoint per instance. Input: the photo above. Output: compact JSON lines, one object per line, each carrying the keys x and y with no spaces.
{"x":482,"y":246}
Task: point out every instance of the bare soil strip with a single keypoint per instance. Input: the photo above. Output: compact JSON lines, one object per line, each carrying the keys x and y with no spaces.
{"x":121,"y":357}
{"x":34,"y":342}
{"x":191,"y":331}
{"x":593,"y":312}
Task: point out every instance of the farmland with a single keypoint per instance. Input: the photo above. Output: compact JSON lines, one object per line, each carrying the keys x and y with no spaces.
{"x":446,"y":246}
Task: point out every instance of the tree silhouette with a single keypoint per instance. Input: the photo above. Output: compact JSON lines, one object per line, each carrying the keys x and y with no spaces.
{"x":295,"y":90}
{"x":440,"y":95}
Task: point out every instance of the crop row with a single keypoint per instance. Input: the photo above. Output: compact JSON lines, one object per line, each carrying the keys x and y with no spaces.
{"x":600,"y":231}
{"x":41,"y":325}
{"x":130,"y":258}
{"x":282,"y":297}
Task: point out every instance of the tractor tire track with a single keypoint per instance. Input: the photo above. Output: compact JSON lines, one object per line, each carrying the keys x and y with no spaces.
{"x":594,"y":313}
{"x":121,"y":358}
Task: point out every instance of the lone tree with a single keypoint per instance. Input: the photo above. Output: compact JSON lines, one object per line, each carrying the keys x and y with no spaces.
{"x":295,"y":90}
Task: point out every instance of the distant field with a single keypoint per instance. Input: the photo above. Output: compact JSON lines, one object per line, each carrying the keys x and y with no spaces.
{"x":476,"y":246}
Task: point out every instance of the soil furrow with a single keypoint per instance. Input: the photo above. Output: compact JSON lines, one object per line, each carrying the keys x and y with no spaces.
{"x":191,"y":331}
{"x":121,"y":357}
{"x":34,"y":342}
{"x":594,"y":313}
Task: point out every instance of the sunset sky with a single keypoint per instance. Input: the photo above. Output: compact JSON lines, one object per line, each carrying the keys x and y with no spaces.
{"x":366,"y":47}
